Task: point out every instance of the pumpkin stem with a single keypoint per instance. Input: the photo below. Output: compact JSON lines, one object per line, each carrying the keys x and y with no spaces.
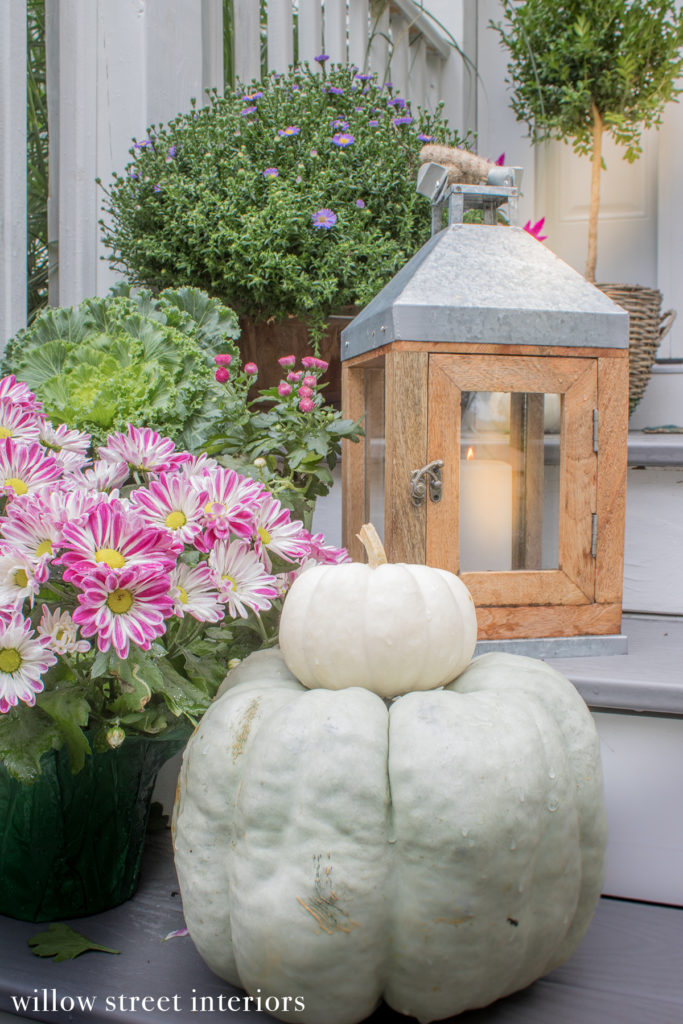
{"x":374,"y":548}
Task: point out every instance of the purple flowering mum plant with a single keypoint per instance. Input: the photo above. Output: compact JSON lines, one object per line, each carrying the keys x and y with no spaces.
{"x":268,"y":257}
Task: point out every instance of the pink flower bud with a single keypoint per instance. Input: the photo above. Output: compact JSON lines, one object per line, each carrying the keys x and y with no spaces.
{"x":320,"y":364}
{"x":294,"y":375}
{"x":284,"y":388}
{"x":251,"y":369}
{"x":222,"y":374}
{"x":310,"y":381}
{"x":305,"y":392}
{"x":287,"y":361}
{"x":223,"y":359}
{"x":306,"y":404}
{"x":308,"y":362}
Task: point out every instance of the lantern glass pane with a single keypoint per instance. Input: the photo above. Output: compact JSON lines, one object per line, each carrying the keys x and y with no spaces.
{"x":374,"y":447}
{"x":509,"y":481}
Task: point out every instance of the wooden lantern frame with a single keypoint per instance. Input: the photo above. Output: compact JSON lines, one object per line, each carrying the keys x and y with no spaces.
{"x":422,"y":385}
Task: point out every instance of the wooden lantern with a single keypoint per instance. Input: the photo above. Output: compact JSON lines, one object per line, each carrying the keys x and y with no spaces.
{"x":493,"y":380}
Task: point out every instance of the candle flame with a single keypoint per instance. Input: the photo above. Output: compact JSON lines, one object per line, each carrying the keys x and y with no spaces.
{"x":470,"y":454}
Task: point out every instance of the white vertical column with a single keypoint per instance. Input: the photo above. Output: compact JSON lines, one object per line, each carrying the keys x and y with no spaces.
{"x":418,"y":74}
{"x":400,"y":57}
{"x":212,"y":45}
{"x":52,"y":90}
{"x":457,"y":81}
{"x":380,"y":45}
{"x":173,"y":55}
{"x":113,"y":70}
{"x":280,"y":35}
{"x":359,"y":33}
{"x":13,"y":239}
{"x":310,"y":31}
{"x":247,"y":40}
{"x":335,"y":30}
{"x":77,"y":154}
{"x":498,"y":129}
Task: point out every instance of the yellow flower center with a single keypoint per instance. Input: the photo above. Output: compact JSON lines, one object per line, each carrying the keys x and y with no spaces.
{"x":264,"y":535}
{"x":182,"y":594}
{"x":114,"y":559}
{"x":120,"y":601}
{"x":44,"y":548}
{"x":20,"y":578}
{"x":5,"y":432}
{"x":17,"y":485}
{"x":230,"y":581}
{"x":214,"y":508}
{"x":176,"y":519}
{"x":10,"y":660}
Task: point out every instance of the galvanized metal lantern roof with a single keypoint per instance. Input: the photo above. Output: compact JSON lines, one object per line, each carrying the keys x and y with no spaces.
{"x":487,"y":284}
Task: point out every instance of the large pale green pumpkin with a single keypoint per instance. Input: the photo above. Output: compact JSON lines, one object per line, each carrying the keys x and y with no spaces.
{"x":439,"y":851}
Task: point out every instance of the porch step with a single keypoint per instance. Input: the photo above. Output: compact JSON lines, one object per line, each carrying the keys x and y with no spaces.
{"x":627,"y":968}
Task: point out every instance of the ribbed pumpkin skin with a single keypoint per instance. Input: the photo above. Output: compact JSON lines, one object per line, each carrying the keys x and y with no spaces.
{"x":439,"y":852}
{"x":390,"y":629}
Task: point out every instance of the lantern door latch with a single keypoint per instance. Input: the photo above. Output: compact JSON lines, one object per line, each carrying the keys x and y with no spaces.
{"x":426,"y":480}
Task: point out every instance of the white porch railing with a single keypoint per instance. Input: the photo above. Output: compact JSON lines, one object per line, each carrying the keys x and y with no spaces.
{"x":114,"y":69}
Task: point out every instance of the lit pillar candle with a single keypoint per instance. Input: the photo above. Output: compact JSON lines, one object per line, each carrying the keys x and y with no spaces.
{"x":485,"y":514}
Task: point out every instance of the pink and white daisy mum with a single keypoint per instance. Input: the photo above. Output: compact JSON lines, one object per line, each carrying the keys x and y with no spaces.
{"x":110,"y":534}
{"x":68,"y":506}
{"x":102,"y":476}
{"x":18,"y":423}
{"x":120,"y":607}
{"x":62,"y":439}
{"x":19,"y":393}
{"x":230,"y":506}
{"x":71,"y":462}
{"x":172,"y":502}
{"x":197,"y":465}
{"x":194,"y":591}
{"x":20,"y":576}
{"x":143,"y":449}
{"x":23,"y":660}
{"x":25,"y":468}
{"x":276,"y":534}
{"x":30,"y":527}
{"x":326,"y":554}
{"x":242,"y":579}
{"x":60,"y":632}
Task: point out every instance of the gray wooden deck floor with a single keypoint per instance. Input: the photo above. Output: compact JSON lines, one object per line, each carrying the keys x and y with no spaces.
{"x":628,"y":970}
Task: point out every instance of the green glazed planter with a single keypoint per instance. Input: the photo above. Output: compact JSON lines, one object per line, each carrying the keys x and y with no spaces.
{"x":71,"y":845}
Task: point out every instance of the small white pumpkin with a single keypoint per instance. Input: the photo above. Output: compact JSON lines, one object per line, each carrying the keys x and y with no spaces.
{"x":388,"y":627}
{"x":438,"y":852}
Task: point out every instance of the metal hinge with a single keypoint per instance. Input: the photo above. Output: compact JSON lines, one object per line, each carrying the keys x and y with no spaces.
{"x":594,"y":534}
{"x":595,"y":430}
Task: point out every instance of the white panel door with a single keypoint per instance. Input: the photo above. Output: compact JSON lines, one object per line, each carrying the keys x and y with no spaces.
{"x":627,"y":227}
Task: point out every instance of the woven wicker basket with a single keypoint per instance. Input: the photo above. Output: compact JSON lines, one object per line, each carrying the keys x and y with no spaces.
{"x":647,"y":326}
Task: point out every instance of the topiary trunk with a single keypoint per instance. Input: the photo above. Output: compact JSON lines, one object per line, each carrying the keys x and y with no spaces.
{"x":596,"y":167}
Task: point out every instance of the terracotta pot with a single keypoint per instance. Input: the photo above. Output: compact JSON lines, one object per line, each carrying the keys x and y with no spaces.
{"x":264,"y":342}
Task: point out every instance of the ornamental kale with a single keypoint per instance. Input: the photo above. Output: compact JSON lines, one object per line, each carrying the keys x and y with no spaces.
{"x":121,"y":359}
{"x":295,"y":196}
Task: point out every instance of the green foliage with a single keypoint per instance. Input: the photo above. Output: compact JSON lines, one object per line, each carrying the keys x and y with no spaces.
{"x":123,"y":359}
{"x":292,"y":452}
{"x":62,"y":943}
{"x":194,"y":207}
{"x":621,"y":55}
